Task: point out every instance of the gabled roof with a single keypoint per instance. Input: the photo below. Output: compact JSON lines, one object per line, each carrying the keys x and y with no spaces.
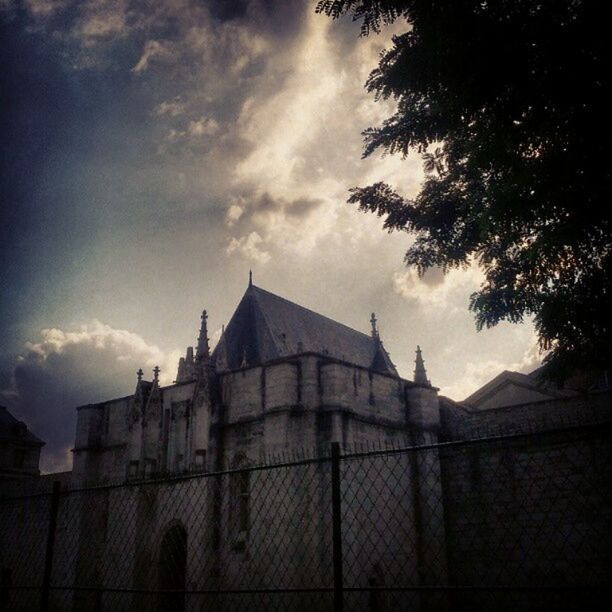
{"x":528,"y":386}
{"x":12,"y":429}
{"x":266,"y":327}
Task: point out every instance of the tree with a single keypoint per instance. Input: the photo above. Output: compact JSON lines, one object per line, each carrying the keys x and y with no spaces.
{"x":508,"y":103}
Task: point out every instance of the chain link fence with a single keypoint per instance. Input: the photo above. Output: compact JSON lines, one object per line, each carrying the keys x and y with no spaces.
{"x":519,"y":522}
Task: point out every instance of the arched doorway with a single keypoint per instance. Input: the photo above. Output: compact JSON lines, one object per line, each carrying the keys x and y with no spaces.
{"x":172,"y":570}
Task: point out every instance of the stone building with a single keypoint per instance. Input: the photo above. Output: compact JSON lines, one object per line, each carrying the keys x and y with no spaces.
{"x":19,"y":448}
{"x":283,"y":379}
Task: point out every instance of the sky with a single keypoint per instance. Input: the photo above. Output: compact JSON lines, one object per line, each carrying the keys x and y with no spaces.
{"x":153,"y":153}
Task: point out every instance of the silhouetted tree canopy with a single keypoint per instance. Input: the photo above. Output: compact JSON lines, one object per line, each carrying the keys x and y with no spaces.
{"x":508,"y":102}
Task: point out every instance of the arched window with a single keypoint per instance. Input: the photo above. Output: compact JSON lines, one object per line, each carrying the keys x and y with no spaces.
{"x":172,"y":571}
{"x":240,"y":503}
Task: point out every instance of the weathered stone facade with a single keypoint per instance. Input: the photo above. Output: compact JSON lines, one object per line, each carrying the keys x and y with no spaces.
{"x":285,"y":383}
{"x":254,"y":396}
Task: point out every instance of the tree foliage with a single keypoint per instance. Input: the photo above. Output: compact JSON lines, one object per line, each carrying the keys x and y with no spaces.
{"x":508,"y":102}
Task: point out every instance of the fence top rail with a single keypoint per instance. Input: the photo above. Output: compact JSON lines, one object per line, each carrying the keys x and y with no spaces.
{"x":602,"y":427}
{"x":581,"y":429}
{"x":562,"y":588}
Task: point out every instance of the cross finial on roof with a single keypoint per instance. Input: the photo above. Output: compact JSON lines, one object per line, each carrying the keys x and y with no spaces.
{"x":373,"y":322}
{"x":139,"y":374}
{"x":203,"y":351}
{"x":156,"y":371}
{"x":250,"y":278}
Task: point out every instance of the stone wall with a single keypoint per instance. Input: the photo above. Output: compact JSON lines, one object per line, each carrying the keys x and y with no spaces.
{"x":461,"y":423}
{"x":531,"y":510}
{"x":535,"y":509}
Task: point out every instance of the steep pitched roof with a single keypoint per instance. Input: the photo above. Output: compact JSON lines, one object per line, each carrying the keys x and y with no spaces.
{"x":12,"y":429}
{"x":266,"y":326}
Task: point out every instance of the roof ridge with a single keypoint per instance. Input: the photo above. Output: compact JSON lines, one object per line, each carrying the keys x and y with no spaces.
{"x":318,"y":314}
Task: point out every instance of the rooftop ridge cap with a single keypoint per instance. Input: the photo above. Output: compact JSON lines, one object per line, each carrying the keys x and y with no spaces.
{"x":318,"y":314}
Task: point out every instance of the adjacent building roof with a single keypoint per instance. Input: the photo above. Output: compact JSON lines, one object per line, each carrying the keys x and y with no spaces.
{"x":266,"y":327}
{"x":512,"y":388}
{"x":12,"y":429}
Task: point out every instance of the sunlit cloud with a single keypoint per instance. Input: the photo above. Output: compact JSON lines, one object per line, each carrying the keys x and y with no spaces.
{"x":478,"y":372}
{"x":250,"y":247}
{"x":187,"y":142}
{"x":436,"y":289}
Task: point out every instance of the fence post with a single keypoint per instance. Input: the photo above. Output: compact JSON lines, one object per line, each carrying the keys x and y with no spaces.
{"x":336,"y":527}
{"x":44,"y":596}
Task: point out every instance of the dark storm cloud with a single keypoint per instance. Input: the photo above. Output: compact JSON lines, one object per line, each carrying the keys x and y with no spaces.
{"x":280,"y":18}
{"x":120,"y":119}
{"x":266,"y":203}
{"x":68,"y":369}
{"x":46,"y":125}
{"x":154,"y":151}
{"x":302,"y":207}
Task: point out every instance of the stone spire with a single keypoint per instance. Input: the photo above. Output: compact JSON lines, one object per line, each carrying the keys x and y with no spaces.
{"x":156,"y":371}
{"x":180,"y":375}
{"x":374,"y":329}
{"x":420,"y":375}
{"x":250,"y":278}
{"x":203,"y":352}
{"x":139,"y":385}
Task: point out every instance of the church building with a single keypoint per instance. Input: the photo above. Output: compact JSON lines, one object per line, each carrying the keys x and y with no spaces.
{"x":218,"y":487}
{"x":281,"y":377}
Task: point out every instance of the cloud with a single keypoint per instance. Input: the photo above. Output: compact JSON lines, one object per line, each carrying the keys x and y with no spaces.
{"x":171,"y":108}
{"x":249,"y":247}
{"x":476,"y":373}
{"x":67,"y":369}
{"x":305,"y":143}
{"x":234,"y":211}
{"x":205,"y":126}
{"x":192,"y":134}
{"x":153,"y":50}
{"x":436,"y":289}
{"x":44,"y":8}
{"x":199,"y":129}
{"x":99,"y":20}
{"x":283,"y":225}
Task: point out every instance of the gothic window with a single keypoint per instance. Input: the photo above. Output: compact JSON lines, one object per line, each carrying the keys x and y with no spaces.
{"x":172,"y":569}
{"x":240,"y":502}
